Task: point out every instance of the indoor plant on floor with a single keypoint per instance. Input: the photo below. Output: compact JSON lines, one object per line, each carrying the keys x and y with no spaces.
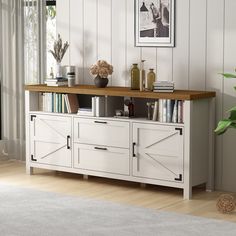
{"x":226,"y":202}
{"x":224,"y":124}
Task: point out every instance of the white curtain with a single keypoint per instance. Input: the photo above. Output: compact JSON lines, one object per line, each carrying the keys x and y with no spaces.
{"x":12,"y":143}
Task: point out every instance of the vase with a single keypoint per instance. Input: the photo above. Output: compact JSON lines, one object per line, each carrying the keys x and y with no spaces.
{"x":58,"y":70}
{"x":150,"y":79}
{"x":135,"y":77}
{"x":100,"y":82}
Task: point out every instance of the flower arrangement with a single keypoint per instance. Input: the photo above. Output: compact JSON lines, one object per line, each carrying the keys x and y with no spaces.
{"x":59,"y":50}
{"x":101,"y":68}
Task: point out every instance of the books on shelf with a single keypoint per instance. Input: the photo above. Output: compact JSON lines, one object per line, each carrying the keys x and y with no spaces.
{"x":163,"y":86}
{"x":57,"y":82}
{"x":97,"y":108}
{"x":57,"y":102}
{"x":168,"y":111}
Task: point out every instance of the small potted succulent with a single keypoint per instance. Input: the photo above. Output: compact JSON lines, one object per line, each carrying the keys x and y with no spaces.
{"x":101,"y":69}
{"x":230,"y":122}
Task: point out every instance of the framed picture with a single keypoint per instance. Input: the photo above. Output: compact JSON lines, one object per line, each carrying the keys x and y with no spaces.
{"x":154,"y":23}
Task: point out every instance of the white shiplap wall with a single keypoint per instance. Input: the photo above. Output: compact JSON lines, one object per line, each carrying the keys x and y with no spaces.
{"x":205,"y":46}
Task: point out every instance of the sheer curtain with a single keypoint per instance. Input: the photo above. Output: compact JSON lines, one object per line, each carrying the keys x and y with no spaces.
{"x":12,"y":143}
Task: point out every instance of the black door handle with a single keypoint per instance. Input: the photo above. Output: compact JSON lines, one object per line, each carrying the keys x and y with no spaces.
{"x":100,"y":122}
{"x":99,"y":148}
{"x":134,"y":155}
{"x":68,"y":142}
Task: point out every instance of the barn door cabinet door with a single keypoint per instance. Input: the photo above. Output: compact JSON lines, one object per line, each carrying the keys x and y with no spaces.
{"x":158,"y":152}
{"x":50,"y":140}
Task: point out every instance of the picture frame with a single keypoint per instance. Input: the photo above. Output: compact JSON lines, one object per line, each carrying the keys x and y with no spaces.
{"x":154,"y":23}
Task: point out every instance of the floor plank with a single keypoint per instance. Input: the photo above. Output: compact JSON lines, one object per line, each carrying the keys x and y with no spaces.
{"x":153,"y":197}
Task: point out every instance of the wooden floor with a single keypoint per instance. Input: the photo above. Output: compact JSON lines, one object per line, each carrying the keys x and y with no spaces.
{"x":154,"y":197}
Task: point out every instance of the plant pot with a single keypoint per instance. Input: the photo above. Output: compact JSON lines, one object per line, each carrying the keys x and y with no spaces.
{"x":58,"y":70}
{"x":100,"y":82}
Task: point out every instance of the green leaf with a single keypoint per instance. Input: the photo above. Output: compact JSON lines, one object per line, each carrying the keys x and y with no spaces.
{"x":235,"y":87}
{"x":222,"y":126}
{"x":233,"y":109}
{"x":227,"y":75}
{"x":232,"y":115}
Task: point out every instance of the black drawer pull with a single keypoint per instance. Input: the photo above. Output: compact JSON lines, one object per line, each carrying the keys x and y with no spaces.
{"x":68,"y":142}
{"x":100,"y":122}
{"x":99,"y":148}
{"x":133,"y":150}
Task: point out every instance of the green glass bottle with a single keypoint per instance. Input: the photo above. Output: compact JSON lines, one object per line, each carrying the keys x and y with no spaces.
{"x":151,"y":76}
{"x":135,"y":76}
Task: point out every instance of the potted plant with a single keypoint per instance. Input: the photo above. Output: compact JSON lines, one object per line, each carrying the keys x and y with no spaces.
{"x":230,"y":122}
{"x":58,"y":53}
{"x":101,"y":69}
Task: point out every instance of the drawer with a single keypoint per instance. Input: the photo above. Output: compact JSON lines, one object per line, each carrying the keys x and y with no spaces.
{"x":101,"y":132}
{"x":100,"y":158}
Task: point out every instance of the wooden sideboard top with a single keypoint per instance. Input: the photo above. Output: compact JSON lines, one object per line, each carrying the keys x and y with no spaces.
{"x":122,"y":92}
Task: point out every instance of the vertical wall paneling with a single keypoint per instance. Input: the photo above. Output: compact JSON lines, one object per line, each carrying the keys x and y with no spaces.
{"x":149,"y":55}
{"x":133,"y":53}
{"x":197,"y":44}
{"x":76,"y":38}
{"x":90,"y":38}
{"x":180,"y":51}
{"x":205,"y":39}
{"x":214,"y":62}
{"x":119,"y":42}
{"x":229,"y":98}
{"x":63,"y":25}
{"x":164,"y":63}
{"x":104,"y":30}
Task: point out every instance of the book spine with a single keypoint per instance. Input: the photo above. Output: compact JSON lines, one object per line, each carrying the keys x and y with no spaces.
{"x":164,"y":110}
{"x":94,"y":110}
{"x":41,"y":101}
{"x":62,"y":104}
{"x":59,"y":103}
{"x":175,"y":112}
{"x":67,"y":103}
{"x":180,"y":111}
{"x":155,"y":111}
{"x":168,"y":111}
{"x":160,"y":110}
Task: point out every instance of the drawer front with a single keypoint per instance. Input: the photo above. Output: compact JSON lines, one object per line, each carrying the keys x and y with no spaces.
{"x":100,"y":158}
{"x":101,"y":132}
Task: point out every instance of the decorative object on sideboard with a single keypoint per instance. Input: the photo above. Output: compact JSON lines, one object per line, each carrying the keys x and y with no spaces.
{"x":162,"y":86}
{"x":71,"y":79}
{"x":58,"y":53}
{"x":135,"y":77}
{"x":151,"y":77}
{"x":225,"y":203}
{"x":154,"y":23}
{"x":142,"y":76}
{"x":101,"y":69}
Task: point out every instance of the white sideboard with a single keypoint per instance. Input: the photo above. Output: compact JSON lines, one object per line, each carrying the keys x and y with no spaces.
{"x":179,"y":155}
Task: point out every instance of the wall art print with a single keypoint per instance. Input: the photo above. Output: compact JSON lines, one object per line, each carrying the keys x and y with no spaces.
{"x":154,"y":23}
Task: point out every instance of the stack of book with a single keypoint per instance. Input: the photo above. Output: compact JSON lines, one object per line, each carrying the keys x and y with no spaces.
{"x":163,"y":86}
{"x":57,"y":82}
{"x":97,"y":108}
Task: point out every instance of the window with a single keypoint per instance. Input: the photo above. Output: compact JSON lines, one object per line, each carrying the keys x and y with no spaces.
{"x":40,"y":34}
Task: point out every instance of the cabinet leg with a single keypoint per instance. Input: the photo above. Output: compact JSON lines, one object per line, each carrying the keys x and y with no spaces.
{"x":29,"y":170}
{"x":85,"y":177}
{"x":187,"y":193}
